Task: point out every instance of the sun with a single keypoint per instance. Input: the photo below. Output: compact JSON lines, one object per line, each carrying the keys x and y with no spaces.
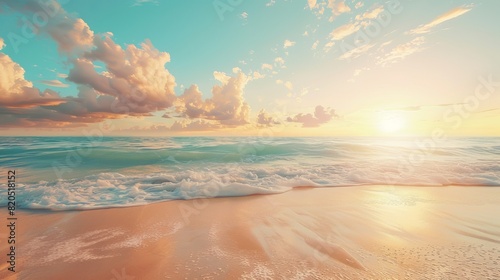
{"x":391,"y":122}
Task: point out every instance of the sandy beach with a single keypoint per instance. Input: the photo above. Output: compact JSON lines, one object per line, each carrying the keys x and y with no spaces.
{"x":369,"y":232}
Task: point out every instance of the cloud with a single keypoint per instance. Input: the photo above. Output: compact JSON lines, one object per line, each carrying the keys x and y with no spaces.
{"x":337,"y":7}
{"x":36,"y":118}
{"x":196,"y":125}
{"x":311,"y":3}
{"x":134,"y":82}
{"x":54,"y":83}
{"x":70,"y":33}
{"x":345,"y":30}
{"x":192,"y":104}
{"x":135,"y":76}
{"x":356,"y":52}
{"x":315,"y":45}
{"x":2,"y":44}
{"x":16,"y":91}
{"x":456,"y":12}
{"x":265,"y":119}
{"x":279,"y":62}
{"x":374,"y":13}
{"x":320,"y":116}
{"x":348,"y":29}
{"x":227,"y":104}
{"x":267,"y":66}
{"x":403,"y":50}
{"x":270,"y":3}
{"x":420,"y":107}
{"x":288,"y":44}
{"x":358,"y":71}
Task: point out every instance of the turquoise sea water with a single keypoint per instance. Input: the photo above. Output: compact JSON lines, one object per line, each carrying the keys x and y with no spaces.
{"x":86,"y":173}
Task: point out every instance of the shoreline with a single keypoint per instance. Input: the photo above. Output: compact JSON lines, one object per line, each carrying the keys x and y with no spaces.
{"x":306,"y":233}
{"x":297,"y":188}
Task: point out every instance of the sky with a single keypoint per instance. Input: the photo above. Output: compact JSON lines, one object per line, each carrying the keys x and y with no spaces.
{"x":241,"y":67}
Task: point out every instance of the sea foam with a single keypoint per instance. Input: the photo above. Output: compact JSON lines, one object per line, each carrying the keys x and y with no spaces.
{"x":120,"y":172}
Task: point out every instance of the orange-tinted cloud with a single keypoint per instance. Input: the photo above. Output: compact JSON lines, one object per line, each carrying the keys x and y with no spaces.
{"x":319,"y":117}
{"x":16,"y":91}
{"x":227,"y":104}
{"x":136,"y":77}
{"x":265,"y":119}
{"x":456,"y":12}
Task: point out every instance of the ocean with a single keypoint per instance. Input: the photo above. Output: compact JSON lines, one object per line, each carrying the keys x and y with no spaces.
{"x":63,"y":173}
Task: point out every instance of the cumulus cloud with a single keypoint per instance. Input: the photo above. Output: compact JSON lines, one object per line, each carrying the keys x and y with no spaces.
{"x":227,"y":104}
{"x":265,"y":119}
{"x":456,"y":12}
{"x":192,"y":104}
{"x":319,"y":117}
{"x":134,"y":81}
{"x":16,"y":91}
{"x":135,"y":76}
{"x":68,"y":32}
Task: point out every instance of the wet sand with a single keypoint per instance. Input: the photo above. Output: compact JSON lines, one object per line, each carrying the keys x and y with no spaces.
{"x":369,"y":232}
